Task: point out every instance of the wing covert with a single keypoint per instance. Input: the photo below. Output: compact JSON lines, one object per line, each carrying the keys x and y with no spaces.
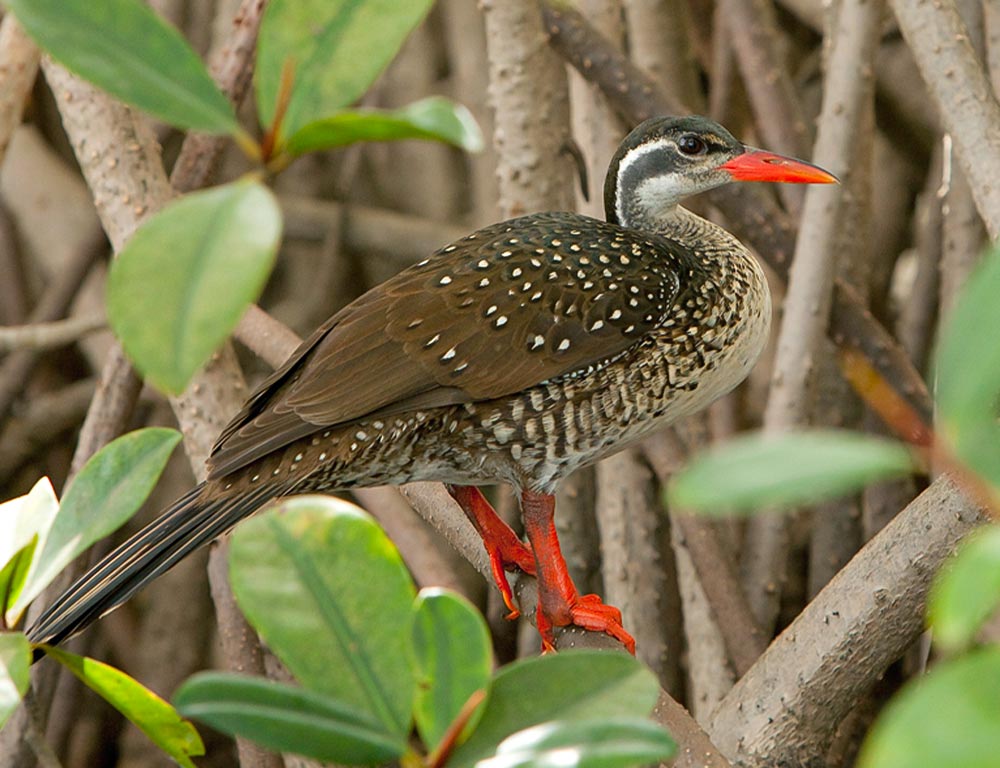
{"x":502,"y":310}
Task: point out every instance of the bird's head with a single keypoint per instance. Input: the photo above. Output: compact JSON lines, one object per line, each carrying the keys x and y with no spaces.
{"x":666,"y":159}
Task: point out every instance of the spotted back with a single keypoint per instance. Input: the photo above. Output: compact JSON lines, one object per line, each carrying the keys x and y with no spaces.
{"x":506,"y":308}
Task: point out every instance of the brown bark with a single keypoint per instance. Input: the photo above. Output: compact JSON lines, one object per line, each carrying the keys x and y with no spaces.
{"x":780,"y":117}
{"x":127,"y":187}
{"x":530,"y":103}
{"x":970,"y":112}
{"x":785,"y":709}
{"x":19,"y":57}
{"x":810,"y":287}
{"x":634,"y":576}
{"x":659,"y":34}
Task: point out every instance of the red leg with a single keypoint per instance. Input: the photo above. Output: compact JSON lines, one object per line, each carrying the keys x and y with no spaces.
{"x":505,"y":549}
{"x":559,"y":603}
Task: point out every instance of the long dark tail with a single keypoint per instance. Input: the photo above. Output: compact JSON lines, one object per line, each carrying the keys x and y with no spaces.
{"x":184,"y":527}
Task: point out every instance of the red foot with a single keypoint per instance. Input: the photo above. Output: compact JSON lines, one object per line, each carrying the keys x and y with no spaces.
{"x":590,"y":613}
{"x":559,"y":603}
{"x":506,"y":551}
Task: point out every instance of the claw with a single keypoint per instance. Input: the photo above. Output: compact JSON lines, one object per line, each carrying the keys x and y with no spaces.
{"x":590,"y":613}
{"x":499,"y":570}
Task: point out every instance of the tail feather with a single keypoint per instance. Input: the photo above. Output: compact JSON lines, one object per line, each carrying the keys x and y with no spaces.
{"x":188,"y":524}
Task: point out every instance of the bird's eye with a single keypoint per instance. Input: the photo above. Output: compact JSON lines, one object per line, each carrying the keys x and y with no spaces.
{"x":692,"y":145}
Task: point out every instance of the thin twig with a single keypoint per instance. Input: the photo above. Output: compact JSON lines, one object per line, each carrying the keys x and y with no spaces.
{"x":271,"y":340}
{"x":45,"y":418}
{"x":756,"y":40}
{"x":16,"y":368}
{"x":398,"y":239}
{"x":231,"y":66}
{"x":42,"y":336}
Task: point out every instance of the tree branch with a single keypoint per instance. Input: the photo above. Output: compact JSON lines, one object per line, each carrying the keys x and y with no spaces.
{"x":120,"y":160}
{"x":963,"y":94}
{"x":531,"y":104}
{"x":52,"y":335}
{"x":19,"y":58}
{"x":785,"y":709}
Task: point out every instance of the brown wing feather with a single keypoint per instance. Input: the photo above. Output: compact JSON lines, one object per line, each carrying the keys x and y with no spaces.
{"x":508,"y":307}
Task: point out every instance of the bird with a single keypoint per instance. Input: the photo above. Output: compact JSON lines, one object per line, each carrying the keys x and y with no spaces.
{"x":522,"y":352}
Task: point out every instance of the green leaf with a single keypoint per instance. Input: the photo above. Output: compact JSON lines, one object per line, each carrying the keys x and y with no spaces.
{"x":287,"y":719}
{"x":151,"y":714}
{"x":183,"y":281}
{"x":435,"y":118}
{"x":336,"y":48}
{"x":109,"y":489}
{"x":763,"y":470}
{"x":328,"y":592}
{"x":15,"y":662}
{"x":453,"y":659}
{"x":968,"y":372}
{"x":949,"y":718}
{"x":13,"y":575}
{"x":966,"y":591}
{"x":570,"y":685}
{"x":605,"y":743}
{"x":123,"y":47}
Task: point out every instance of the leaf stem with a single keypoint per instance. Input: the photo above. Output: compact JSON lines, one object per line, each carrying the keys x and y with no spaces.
{"x":271,"y":140}
{"x":449,"y":741}
{"x":880,"y":396}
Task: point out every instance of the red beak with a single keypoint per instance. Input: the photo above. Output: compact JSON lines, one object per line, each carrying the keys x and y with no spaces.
{"x":758,"y":165}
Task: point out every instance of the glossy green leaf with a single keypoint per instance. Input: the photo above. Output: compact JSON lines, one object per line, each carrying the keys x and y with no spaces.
{"x":435,"y":118}
{"x":25,"y":517}
{"x":15,"y":662}
{"x":453,"y":657}
{"x":123,"y":47}
{"x":966,"y":591}
{"x":949,"y":718}
{"x":570,"y":685}
{"x":336,"y":49}
{"x":109,"y":489}
{"x":14,"y":574}
{"x":605,"y":743}
{"x":324,"y":586}
{"x":760,"y":470}
{"x":287,"y":719}
{"x":968,"y":372}
{"x":186,"y":277}
{"x":151,"y":714}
